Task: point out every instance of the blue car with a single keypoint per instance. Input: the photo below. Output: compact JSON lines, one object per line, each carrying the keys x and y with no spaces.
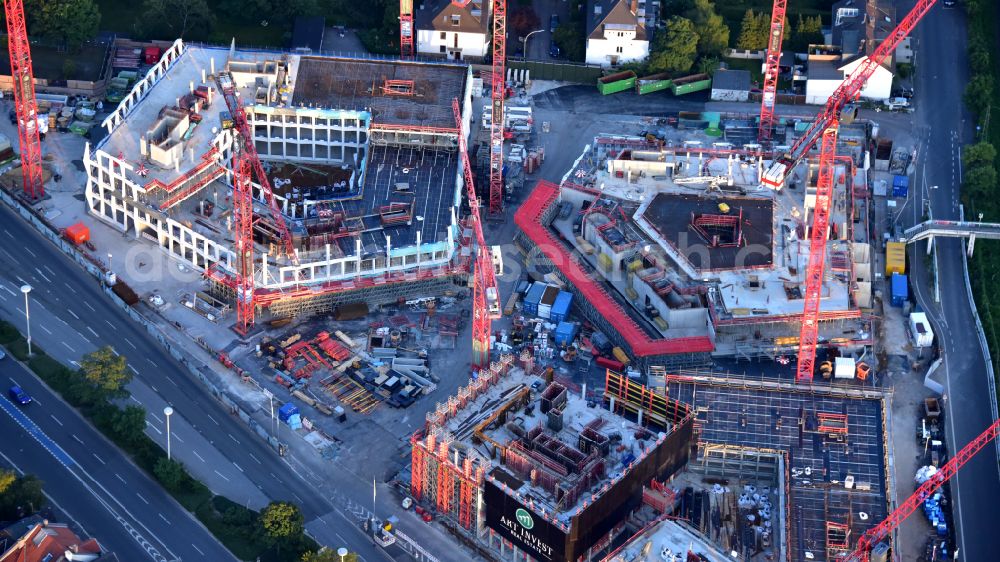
{"x":17,"y":394}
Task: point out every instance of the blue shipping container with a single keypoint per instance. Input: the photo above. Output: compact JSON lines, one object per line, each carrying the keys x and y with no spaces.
{"x":900,"y":186}
{"x":565,"y":333}
{"x":532,"y":297}
{"x":900,"y":289}
{"x":560,"y":308}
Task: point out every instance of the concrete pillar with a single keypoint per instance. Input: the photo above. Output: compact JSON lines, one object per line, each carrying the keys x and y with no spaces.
{"x":611,"y":406}
{"x":972,"y":243}
{"x":639,"y":421}
{"x":930,"y":245}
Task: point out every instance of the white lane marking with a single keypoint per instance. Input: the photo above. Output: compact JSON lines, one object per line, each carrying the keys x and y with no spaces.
{"x":233,"y":438}
{"x":171,"y":381}
{"x":156,"y":429}
{"x":197,"y":455}
{"x":128,"y":341}
{"x":144,"y":500}
{"x":154,"y":389}
{"x":73,"y":313}
{"x":113,"y":350}
{"x":12,"y":380}
{"x":68,"y":346}
{"x":177,"y":437}
{"x":136,"y":400}
{"x":92,"y":309}
{"x":70,"y":287}
{"x":119,"y":476}
{"x":151,"y":362}
{"x":110,"y":324}
{"x":56,"y":419}
{"x":7,"y":232}
{"x":133,"y":369}
{"x":213,"y":419}
{"x":222,"y":475}
{"x":239,"y":467}
{"x":46,"y":277}
{"x":6,"y":288}
{"x":93,"y":332}
{"x":50,"y":270}
{"x":27,"y":249}
{"x":164,"y":518}
{"x":77,"y":439}
{"x":156,"y":417}
{"x":47,"y":331}
{"x":199,"y":550}
{"x":99,"y":458}
{"x":23,"y":282}
{"x":255,"y":458}
{"x":297,"y":497}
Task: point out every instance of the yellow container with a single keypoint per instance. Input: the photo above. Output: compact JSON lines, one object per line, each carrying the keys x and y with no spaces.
{"x":605,"y":261}
{"x":895,"y":258}
{"x":620,"y":355}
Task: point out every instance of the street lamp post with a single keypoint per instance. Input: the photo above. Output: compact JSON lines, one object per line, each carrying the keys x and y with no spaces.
{"x":168,"y":411}
{"x":27,"y":315}
{"x":524,"y":42}
{"x":341,"y":552}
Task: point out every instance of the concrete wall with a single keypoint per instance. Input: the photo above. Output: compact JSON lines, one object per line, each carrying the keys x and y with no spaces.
{"x":456,"y":45}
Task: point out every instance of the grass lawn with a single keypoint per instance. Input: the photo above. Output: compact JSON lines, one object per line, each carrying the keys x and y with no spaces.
{"x":47,"y":62}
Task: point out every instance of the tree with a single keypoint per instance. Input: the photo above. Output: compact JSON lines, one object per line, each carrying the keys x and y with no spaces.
{"x":71,"y":22}
{"x":980,"y":61}
{"x":170,"y":473}
{"x":523,"y":20}
{"x":7,"y":479}
{"x":754,"y":31}
{"x":979,"y":91}
{"x":169,"y":19}
{"x":21,"y":498}
{"x":106,"y":371}
{"x":130,"y":423}
{"x":570,"y":40}
{"x":979,"y":154}
{"x":280,"y":11}
{"x":713,"y":33}
{"x":676,"y":48}
{"x":282,"y":523}
{"x":980,"y":183}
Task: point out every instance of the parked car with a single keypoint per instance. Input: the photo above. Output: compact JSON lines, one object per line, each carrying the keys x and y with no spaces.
{"x":554,"y":51}
{"x":3,"y":354}
{"x":553,"y":23}
{"x":17,"y":394}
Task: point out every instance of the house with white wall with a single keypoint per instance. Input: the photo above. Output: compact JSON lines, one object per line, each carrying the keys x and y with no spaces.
{"x":616,"y":32}
{"x":452,"y":31}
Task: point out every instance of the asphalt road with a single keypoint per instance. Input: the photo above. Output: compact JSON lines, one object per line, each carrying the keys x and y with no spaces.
{"x":940,"y":80}
{"x":64,"y":289}
{"x":87,"y":477}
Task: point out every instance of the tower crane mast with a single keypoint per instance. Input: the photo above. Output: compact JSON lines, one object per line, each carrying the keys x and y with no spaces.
{"x":498,"y":90}
{"x":772,"y":68}
{"x":24,"y":100}
{"x":406,"y":29}
{"x":880,"y":532}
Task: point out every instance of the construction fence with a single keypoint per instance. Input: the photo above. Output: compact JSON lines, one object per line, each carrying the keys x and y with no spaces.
{"x":561,"y":71}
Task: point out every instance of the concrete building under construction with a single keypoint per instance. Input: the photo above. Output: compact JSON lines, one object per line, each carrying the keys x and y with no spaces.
{"x":362,"y":156}
{"x":521,"y":466}
{"x":680,"y":256}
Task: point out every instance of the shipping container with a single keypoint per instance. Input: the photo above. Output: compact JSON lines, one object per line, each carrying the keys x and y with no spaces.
{"x":621,"y":356}
{"x":614,"y":83}
{"x":895,"y":258}
{"x":900,"y":289}
{"x":545,"y":303}
{"x":77,"y":233}
{"x":566,"y":333}
{"x":653,"y":83}
{"x":690,"y":84}
{"x":900,"y":186}
{"x":920,"y":330}
{"x":532,"y":297}
{"x":843,"y":368}
{"x":561,"y":306}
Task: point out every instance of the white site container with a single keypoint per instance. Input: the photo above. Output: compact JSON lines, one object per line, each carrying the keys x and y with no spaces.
{"x":920,"y":330}
{"x":844,"y":368}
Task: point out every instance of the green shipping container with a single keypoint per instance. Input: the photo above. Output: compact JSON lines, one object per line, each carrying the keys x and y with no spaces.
{"x":653,"y":83}
{"x":614,"y":83}
{"x":689,"y":84}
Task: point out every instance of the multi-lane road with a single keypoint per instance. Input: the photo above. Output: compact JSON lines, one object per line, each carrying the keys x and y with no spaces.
{"x":87,"y":477}
{"x":945,"y":125}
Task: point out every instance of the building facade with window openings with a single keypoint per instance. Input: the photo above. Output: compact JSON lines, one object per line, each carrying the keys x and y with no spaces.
{"x":362,"y":157}
{"x":454,"y":32}
{"x":616,"y":32}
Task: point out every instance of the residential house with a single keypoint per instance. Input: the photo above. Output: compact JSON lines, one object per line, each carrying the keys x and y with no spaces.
{"x":41,"y":541}
{"x":616,"y":32}
{"x":453,"y":31}
{"x":858,"y":26}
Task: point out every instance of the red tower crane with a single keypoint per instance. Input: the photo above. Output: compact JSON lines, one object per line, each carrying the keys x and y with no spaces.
{"x":406,"y":29}
{"x":809,"y":332}
{"x":825,"y":125}
{"x":771,"y":70}
{"x":24,"y":99}
{"x":845,"y":93}
{"x":880,"y":532}
{"x":485,"y":293}
{"x":498,"y":92}
{"x":245,"y":162}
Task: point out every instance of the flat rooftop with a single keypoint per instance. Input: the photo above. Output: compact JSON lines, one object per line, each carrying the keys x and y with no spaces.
{"x":675,"y":216}
{"x":358,"y":84}
{"x":568,"y":446}
{"x":668,"y":538}
{"x":834,"y":441}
